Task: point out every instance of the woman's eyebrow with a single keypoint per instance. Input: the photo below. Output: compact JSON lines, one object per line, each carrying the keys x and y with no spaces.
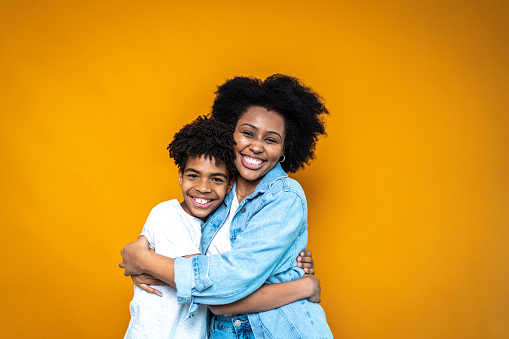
{"x":252,"y":126}
{"x":256,"y":128}
{"x":276,"y":133}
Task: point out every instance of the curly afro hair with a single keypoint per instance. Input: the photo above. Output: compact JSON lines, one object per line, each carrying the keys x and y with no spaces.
{"x":301,"y":108}
{"x":204,"y":137}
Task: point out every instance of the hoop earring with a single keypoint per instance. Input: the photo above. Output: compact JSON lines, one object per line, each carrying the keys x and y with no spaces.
{"x":284,"y":158}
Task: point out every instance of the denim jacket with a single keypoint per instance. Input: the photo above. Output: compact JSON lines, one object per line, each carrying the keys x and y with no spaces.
{"x":267,"y":233}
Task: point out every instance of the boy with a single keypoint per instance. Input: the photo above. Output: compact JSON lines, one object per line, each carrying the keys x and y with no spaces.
{"x":203,"y":152}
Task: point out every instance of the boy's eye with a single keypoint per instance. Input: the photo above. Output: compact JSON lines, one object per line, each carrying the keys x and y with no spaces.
{"x":217,"y":179}
{"x":192,"y":176}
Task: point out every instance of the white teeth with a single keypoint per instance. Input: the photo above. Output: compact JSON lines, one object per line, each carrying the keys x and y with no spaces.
{"x":252,"y":161}
{"x":201,"y":201}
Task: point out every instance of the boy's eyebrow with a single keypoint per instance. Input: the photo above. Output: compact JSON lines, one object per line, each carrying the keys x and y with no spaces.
{"x":191,"y":170}
{"x":220,"y":174}
{"x":256,"y":128}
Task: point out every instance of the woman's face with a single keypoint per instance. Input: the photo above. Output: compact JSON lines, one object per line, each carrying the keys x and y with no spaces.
{"x":260,"y":136}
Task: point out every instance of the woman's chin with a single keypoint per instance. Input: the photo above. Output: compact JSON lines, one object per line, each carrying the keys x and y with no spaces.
{"x":251,"y":175}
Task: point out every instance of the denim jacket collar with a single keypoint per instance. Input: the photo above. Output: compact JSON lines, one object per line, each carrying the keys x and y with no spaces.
{"x":275,"y":173}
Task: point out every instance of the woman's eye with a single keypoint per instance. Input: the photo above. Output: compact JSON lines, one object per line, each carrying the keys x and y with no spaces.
{"x":247,"y":133}
{"x":271,"y":141}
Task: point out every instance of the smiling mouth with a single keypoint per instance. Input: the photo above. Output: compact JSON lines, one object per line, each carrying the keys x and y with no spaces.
{"x":201,"y":202}
{"x":250,"y":162}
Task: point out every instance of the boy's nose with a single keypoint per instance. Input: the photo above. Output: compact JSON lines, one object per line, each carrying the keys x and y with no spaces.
{"x":203,"y":187}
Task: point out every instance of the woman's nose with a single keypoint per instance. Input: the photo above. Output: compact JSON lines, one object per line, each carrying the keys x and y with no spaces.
{"x":256,"y":146}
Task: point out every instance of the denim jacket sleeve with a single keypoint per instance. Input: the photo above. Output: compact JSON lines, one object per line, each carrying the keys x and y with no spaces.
{"x":270,"y":232}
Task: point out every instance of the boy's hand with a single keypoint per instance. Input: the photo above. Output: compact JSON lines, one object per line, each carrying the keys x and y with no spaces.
{"x":305,"y":261}
{"x":144,"y":281}
{"x":132,"y":256}
{"x":314,"y":286}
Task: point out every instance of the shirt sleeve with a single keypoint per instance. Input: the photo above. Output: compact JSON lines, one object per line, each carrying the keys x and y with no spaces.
{"x":233,"y":275}
{"x":148,"y":228}
{"x":169,"y":233}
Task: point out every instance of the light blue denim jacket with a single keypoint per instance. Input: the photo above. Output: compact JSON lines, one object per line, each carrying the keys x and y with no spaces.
{"x":267,"y":233}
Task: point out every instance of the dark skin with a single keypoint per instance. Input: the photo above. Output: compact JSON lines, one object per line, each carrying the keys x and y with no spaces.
{"x":304,"y":261}
{"x":268,"y":296}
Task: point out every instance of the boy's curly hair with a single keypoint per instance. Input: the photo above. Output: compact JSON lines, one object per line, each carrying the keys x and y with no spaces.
{"x":204,"y":136}
{"x":301,"y":108}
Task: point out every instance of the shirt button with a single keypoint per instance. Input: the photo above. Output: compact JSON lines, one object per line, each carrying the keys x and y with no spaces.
{"x":243,"y":210}
{"x":237,"y":323}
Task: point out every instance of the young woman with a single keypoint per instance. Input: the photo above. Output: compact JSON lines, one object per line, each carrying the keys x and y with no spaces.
{"x":255,"y":235}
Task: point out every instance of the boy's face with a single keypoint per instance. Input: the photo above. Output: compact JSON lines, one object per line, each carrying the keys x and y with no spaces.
{"x":204,"y":185}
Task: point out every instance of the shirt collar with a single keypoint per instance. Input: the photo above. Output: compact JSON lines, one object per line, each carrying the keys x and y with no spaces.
{"x":275,"y":173}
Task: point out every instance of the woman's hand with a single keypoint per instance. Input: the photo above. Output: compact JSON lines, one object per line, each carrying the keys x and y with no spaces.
{"x":314,"y":287}
{"x":133,"y":255}
{"x":305,"y":261}
{"x":144,"y":281}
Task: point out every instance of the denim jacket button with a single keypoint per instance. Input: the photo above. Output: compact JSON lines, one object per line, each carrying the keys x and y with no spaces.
{"x":243,"y":210}
{"x":237,"y":323}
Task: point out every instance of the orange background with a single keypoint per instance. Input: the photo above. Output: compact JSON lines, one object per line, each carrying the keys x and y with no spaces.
{"x":408,"y":196}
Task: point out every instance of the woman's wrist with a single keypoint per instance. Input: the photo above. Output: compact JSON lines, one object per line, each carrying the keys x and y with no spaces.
{"x":302,"y":288}
{"x":309,"y":287}
{"x":158,"y":266}
{"x":142,"y":258}
{"x":312,"y":288}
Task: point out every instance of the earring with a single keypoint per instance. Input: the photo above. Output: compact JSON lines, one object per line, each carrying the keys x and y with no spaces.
{"x":284,"y":158}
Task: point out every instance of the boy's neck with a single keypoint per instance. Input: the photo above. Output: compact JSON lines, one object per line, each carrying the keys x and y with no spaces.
{"x":188,"y":211}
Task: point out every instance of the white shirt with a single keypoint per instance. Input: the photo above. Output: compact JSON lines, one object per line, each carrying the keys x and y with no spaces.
{"x":173,"y":233}
{"x":221,"y":242}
